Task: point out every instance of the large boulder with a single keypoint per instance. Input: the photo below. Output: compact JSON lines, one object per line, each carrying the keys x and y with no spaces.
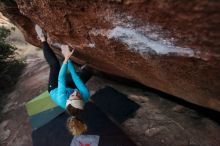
{"x":172,"y":46}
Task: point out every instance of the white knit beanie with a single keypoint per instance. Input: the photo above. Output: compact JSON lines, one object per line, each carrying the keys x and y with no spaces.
{"x":77,"y":103}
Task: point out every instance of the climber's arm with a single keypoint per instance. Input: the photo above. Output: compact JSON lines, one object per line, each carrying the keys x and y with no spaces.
{"x":84,"y":92}
{"x":61,"y":97}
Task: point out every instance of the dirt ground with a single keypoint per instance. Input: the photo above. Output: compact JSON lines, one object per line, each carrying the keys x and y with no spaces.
{"x":158,"y":122}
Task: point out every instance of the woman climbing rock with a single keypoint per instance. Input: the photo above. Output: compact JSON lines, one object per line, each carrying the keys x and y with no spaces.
{"x":71,"y":97}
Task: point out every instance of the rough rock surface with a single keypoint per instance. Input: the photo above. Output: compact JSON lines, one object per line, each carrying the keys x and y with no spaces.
{"x":17,"y":131}
{"x":172,"y":46}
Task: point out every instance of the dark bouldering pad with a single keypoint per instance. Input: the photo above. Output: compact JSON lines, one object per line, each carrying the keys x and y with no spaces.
{"x":55,"y":132}
{"x":114,"y":104}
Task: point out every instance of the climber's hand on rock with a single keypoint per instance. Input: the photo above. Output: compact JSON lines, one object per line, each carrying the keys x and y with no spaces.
{"x":66,"y":52}
{"x":68,"y":55}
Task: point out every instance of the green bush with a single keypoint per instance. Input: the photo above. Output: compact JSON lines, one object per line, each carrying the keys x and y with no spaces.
{"x":10,"y":67}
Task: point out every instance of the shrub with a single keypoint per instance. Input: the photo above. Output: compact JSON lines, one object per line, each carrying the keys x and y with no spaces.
{"x":10,"y":67}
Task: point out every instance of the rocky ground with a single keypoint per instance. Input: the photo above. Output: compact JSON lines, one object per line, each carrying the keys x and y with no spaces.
{"x":159,"y":121}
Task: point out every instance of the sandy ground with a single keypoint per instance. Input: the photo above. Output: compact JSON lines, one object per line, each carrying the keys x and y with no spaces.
{"x":157,"y":122}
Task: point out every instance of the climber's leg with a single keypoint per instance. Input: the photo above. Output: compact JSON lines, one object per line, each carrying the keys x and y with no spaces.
{"x":54,"y":66}
{"x":50,"y":58}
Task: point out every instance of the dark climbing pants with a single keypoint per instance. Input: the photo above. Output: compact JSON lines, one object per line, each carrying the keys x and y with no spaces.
{"x":54,"y":64}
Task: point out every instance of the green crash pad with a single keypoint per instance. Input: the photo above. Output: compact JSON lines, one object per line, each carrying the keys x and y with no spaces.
{"x":44,"y":117}
{"x":39,"y":104}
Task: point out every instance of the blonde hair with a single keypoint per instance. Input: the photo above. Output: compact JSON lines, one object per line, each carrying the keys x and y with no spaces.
{"x":76,"y":126}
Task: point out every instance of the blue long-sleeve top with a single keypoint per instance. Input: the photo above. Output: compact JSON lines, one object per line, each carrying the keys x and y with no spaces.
{"x":61,"y":94}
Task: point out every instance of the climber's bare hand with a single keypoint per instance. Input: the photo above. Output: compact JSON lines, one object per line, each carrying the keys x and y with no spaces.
{"x":66,"y":52}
